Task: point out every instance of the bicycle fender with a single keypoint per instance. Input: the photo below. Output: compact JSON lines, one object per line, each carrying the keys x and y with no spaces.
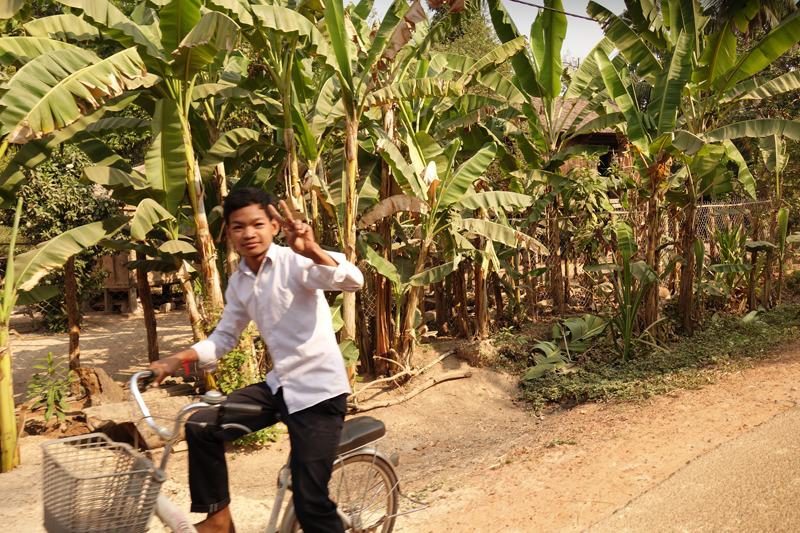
{"x":370,"y":451}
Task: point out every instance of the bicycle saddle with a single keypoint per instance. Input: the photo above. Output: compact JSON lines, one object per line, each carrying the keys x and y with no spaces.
{"x":360,"y":431}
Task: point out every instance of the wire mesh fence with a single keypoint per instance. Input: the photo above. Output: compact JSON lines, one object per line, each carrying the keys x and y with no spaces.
{"x":711,"y":217}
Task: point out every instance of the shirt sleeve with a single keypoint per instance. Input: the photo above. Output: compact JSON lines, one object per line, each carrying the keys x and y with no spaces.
{"x":343,"y":277}
{"x":225,"y":336}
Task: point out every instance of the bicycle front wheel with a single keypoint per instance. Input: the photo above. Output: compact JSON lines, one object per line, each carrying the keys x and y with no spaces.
{"x":364,"y":488}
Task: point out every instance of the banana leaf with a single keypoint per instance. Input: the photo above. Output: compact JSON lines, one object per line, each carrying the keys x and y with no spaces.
{"x":44,"y":95}
{"x":31,"y":266}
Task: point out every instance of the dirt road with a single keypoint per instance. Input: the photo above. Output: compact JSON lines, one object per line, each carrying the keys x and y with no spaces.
{"x":487,"y":465}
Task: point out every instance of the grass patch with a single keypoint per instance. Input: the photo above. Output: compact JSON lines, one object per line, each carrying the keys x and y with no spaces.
{"x":559,"y":442}
{"x":726,"y":345}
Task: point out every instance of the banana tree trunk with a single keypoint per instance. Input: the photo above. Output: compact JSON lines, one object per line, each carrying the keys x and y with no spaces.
{"x":294,"y":191}
{"x":441,"y":313}
{"x":779,"y":296}
{"x":407,"y":334}
{"x":8,"y":422}
{"x":556,"y":275}
{"x":195,"y":318}
{"x":73,"y":319}
{"x":296,"y":196}
{"x":365,"y":340}
{"x":349,"y":229}
{"x":460,"y":300}
{"x":686,"y":296}
{"x":651,"y":299}
{"x":498,"y":297}
{"x":449,"y":299}
{"x":207,"y":252}
{"x":481,"y":304}
{"x":231,"y":255}
{"x":150,"y":325}
{"x":770,"y":260}
{"x":383,"y":288}
{"x":751,"y":283}
{"x":9,"y":453}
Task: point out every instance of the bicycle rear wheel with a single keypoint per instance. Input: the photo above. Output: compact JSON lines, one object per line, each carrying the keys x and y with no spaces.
{"x":364,"y":487}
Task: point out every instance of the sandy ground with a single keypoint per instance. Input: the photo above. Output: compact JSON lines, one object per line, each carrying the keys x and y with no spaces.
{"x":113,"y":342}
{"x":485,"y":463}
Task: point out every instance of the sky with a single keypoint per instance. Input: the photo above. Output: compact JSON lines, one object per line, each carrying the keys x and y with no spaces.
{"x":582,"y":35}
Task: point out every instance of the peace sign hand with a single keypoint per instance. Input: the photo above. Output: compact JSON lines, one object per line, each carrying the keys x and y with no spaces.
{"x":299,"y":236}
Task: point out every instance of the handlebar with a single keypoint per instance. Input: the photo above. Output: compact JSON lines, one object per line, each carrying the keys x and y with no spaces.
{"x":212,"y":401}
{"x":161,"y":431}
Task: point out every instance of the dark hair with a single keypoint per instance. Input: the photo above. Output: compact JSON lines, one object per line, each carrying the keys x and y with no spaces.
{"x":241,"y":198}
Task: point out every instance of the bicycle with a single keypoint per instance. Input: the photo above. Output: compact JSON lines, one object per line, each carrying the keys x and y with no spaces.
{"x":92,"y":483}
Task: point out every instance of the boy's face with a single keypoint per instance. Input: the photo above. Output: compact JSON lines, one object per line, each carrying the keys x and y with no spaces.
{"x":251,"y":230}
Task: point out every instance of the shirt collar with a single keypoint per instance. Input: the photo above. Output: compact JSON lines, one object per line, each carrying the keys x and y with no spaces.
{"x":271,"y":254}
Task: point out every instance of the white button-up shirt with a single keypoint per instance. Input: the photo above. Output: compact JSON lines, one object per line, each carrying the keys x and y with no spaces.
{"x":286,"y":301}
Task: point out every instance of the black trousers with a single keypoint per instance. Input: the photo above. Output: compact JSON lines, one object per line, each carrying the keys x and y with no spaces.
{"x":314,"y":434}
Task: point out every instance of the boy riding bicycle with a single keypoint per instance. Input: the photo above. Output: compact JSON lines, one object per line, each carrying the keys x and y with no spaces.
{"x":280,"y":289}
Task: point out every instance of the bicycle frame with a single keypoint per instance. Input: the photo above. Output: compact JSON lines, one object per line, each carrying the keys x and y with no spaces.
{"x":173,"y":518}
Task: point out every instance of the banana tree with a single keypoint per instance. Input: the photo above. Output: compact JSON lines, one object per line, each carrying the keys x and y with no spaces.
{"x":436,"y":195}
{"x":173,"y":49}
{"x":200,"y":81}
{"x":20,"y":285}
{"x":694,"y":94}
{"x":368,"y":82}
{"x":554,"y":119}
{"x":773,"y":152}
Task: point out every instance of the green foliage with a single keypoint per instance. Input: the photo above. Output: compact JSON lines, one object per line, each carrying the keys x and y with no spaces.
{"x":730,"y":273}
{"x":727,"y":345}
{"x":474,"y":37}
{"x":54,"y":202}
{"x":52,"y":387}
{"x":569,"y":337}
{"x":793,"y":281}
{"x":235,"y":371}
{"x":130,"y":145}
{"x":626,"y":292}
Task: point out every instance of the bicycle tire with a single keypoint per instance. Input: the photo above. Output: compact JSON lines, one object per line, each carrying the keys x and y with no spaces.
{"x":365,"y":488}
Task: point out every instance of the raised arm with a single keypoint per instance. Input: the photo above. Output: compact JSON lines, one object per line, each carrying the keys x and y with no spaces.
{"x":331,"y":271}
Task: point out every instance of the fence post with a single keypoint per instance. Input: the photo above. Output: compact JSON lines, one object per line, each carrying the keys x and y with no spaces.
{"x":73,"y":316}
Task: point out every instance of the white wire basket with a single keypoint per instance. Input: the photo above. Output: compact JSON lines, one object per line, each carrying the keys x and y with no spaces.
{"x":93,"y":484}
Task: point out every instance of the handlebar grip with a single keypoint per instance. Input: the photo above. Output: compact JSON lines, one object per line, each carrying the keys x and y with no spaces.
{"x":242,"y":409}
{"x":145,"y":377}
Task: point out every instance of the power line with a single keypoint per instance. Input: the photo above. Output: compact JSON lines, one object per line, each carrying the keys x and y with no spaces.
{"x":552,"y":9}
